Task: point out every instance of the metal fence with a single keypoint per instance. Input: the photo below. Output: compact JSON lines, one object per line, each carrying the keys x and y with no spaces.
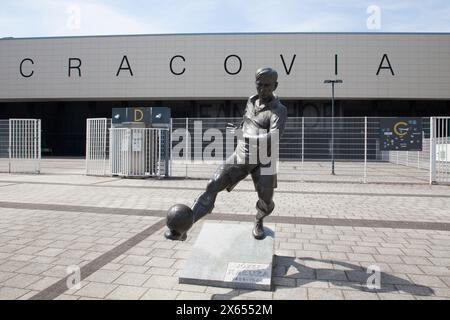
{"x":305,"y":151}
{"x":4,"y":145}
{"x":139,"y":152}
{"x":440,"y":150}
{"x":20,"y":145}
{"x":97,"y":146}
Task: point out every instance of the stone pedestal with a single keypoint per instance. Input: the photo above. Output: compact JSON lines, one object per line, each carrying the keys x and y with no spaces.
{"x":227,"y":255}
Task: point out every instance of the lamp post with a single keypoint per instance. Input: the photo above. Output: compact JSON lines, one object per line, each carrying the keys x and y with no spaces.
{"x":332,"y":120}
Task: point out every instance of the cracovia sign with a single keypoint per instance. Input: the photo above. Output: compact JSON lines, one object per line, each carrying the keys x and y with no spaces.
{"x":179,"y":65}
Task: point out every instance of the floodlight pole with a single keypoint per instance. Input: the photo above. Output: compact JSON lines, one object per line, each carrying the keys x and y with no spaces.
{"x":332,"y":121}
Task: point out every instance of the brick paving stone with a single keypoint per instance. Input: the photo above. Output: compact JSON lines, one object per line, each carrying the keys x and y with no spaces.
{"x":387,"y":258}
{"x":67,"y":297}
{"x":416,"y":290}
{"x":4,"y":255}
{"x":135,"y":260}
{"x":400,"y":268}
{"x":164,"y":244}
{"x":164,"y":253}
{"x":362,"y":257}
{"x":444,"y":262}
{"x":179,"y":254}
{"x":189,"y":287}
{"x":132,"y":279}
{"x":390,"y":251}
{"x":298,"y":272}
{"x":7,"y":293}
{"x":255,"y":294}
{"x":57,"y":271}
{"x":446,"y":280}
{"x":425,"y":280}
{"x":50,"y":252}
{"x":435,"y":270}
{"x":43,"y":283}
{"x":324,"y":294}
{"x":331,"y":275}
{"x":21,"y":281}
{"x":35,"y":268}
{"x":11,"y":266}
{"x":359,"y":295}
{"x":308,"y":254}
{"x":442,"y":292}
{"x":395,"y":296}
{"x":161,"y":282}
{"x":104,"y":276}
{"x":112,"y":266}
{"x":185,"y":295}
{"x":96,"y":290}
{"x":161,"y":271}
{"x":179,"y":264}
{"x":401,"y":253}
{"x":6,"y":275}
{"x":288,"y":293}
{"x":286,"y":253}
{"x":339,"y":248}
{"x":219,"y":290}
{"x":416,"y":260}
{"x":429,"y":298}
{"x":43,"y":260}
{"x":364,"y":250}
{"x":160,"y":294}
{"x":133,"y":269}
{"x":28,"y":295}
{"x":160,"y":262}
{"x":21,"y":257}
{"x":126,"y":293}
{"x":282,"y":281}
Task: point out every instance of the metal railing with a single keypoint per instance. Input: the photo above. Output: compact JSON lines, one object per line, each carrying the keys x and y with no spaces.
{"x":4,"y":145}
{"x":20,"y":145}
{"x":138,"y":152}
{"x":305,"y":151}
{"x":97,"y":146}
{"x":440,"y":150}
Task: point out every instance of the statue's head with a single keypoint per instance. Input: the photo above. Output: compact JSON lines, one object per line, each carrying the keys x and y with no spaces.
{"x":266,"y":82}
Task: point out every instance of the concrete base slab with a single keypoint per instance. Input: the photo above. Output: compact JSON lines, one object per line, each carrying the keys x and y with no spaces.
{"x":227,"y":255}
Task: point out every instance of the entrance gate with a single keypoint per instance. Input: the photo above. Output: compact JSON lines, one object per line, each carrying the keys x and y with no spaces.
{"x":97,"y":144}
{"x":24,"y":149}
{"x":440,"y":150}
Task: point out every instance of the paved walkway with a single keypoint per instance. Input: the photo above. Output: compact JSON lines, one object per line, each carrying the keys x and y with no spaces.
{"x":327,"y":235}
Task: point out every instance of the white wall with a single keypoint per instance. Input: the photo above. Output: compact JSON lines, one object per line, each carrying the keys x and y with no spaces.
{"x":421,"y":63}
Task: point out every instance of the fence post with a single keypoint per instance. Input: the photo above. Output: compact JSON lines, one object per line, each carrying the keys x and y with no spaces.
{"x":170,"y":147}
{"x":432,"y":150}
{"x":104,"y":147}
{"x":38,"y":145}
{"x":365,"y":150}
{"x":418,"y":158}
{"x":9,"y":147}
{"x":187,"y":144}
{"x":303,"y":139}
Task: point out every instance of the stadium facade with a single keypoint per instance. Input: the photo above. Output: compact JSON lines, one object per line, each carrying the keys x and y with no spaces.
{"x":65,"y":80}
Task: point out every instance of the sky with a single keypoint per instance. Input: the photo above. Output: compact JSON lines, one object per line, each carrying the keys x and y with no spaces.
{"x":49,"y":18}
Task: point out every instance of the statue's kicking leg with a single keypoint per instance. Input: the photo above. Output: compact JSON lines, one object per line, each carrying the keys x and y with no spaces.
{"x":204,"y":204}
{"x":264,"y":207}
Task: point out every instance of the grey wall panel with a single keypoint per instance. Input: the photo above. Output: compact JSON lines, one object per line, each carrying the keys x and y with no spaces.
{"x":421,"y":63}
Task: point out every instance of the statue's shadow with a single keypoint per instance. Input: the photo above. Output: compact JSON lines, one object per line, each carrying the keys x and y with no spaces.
{"x":302,"y":271}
